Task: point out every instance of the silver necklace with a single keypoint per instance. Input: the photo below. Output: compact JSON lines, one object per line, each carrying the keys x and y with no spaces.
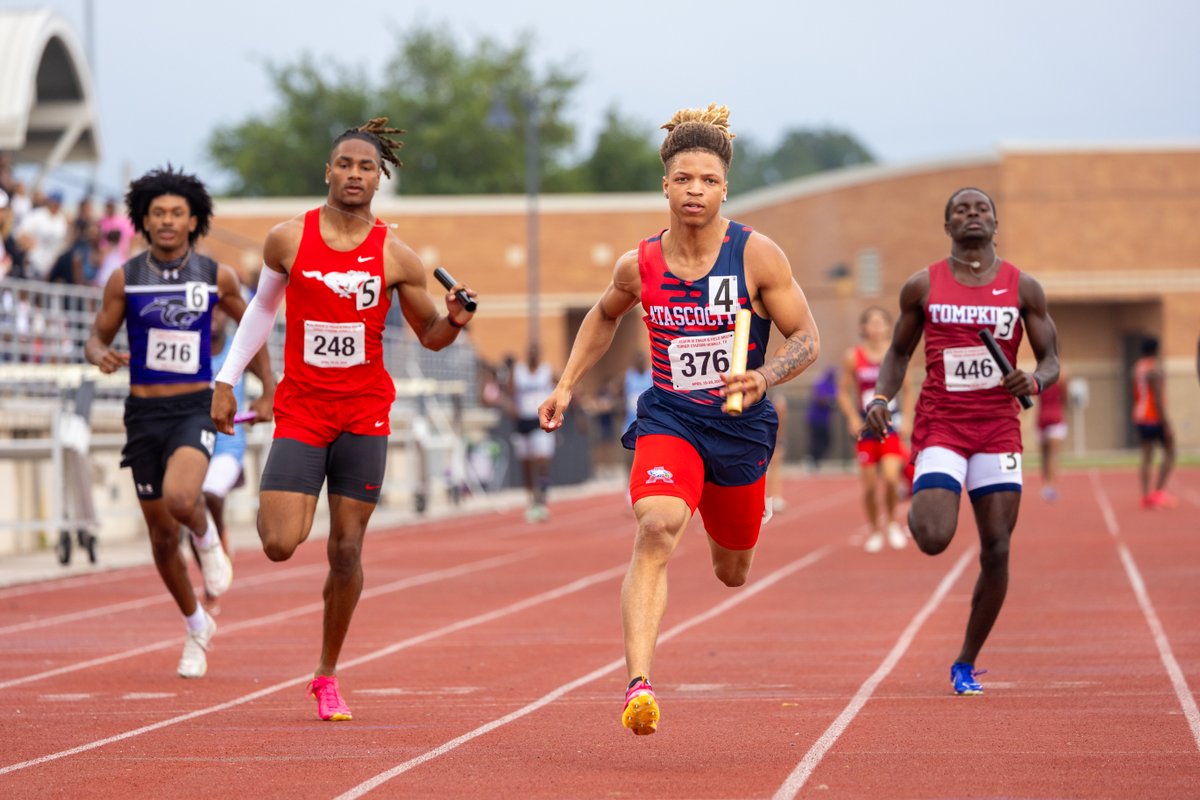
{"x":375,"y":224}
{"x":168,"y":272}
{"x":975,"y":265}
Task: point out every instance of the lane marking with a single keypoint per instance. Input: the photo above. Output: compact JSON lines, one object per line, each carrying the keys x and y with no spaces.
{"x":521,"y":605}
{"x":1165,"y":654}
{"x":224,"y":629}
{"x":804,"y":770}
{"x":554,"y":694}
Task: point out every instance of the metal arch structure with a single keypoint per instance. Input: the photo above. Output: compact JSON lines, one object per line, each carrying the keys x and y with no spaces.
{"x":48,"y":112}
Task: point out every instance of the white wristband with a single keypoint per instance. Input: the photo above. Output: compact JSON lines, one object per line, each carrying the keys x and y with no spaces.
{"x":255,"y":326}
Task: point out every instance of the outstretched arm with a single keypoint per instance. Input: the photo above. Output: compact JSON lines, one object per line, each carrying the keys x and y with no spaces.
{"x":594,"y":337}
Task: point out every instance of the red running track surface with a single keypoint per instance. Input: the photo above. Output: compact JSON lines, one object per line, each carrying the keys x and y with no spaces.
{"x":485,"y":660}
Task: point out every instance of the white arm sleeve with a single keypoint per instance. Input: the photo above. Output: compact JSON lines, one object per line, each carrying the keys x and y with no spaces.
{"x":255,"y":326}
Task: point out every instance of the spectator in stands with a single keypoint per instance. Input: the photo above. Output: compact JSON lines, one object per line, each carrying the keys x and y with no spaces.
{"x":18,"y":200}
{"x":114,"y":221}
{"x":43,"y":235}
{"x":111,"y":257}
{"x":820,"y":414}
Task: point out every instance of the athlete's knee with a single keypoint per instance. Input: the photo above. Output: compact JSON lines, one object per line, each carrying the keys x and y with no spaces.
{"x":276,"y":544}
{"x":345,"y":555}
{"x":932,"y":534}
{"x":993,"y":554}
{"x":655,"y":537}
{"x":164,"y":541}
{"x":732,"y":575}
{"x":180,"y":504}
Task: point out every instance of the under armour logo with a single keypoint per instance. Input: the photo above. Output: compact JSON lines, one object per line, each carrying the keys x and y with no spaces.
{"x":209,"y":440}
{"x":144,"y":488}
{"x":659,"y":475}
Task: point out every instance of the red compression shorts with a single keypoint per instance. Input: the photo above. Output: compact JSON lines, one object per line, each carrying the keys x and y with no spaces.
{"x":871,"y":450}
{"x":317,"y":421}
{"x":666,"y":466}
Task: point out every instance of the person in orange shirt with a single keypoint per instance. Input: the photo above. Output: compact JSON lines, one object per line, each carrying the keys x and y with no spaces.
{"x":1150,"y":418}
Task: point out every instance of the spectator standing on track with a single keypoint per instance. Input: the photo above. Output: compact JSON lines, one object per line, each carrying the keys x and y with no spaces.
{"x":691,"y":279}
{"x":880,"y":459}
{"x":532,"y":380}
{"x":820,"y":415}
{"x":165,"y":297}
{"x":966,"y":430}
{"x":338,"y":265}
{"x":1153,"y":426}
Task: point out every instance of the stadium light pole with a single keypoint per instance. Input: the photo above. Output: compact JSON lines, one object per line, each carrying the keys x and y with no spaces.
{"x":501,"y":118}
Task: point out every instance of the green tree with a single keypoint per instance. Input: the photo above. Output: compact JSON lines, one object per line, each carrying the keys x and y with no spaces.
{"x":442,"y":94}
{"x":801,"y":152}
{"x":625,"y":158}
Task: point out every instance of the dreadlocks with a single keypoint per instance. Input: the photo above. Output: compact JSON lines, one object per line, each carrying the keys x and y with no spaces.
{"x":158,"y":182}
{"x":377,"y":133}
{"x":704,"y":129}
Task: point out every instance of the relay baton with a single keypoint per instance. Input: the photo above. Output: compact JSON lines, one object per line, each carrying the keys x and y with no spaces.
{"x":245,"y":416}
{"x":737,"y":360}
{"x":444,"y":278}
{"x":989,"y":342}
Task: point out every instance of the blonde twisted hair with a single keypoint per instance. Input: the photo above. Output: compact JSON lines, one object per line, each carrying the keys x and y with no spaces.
{"x":704,"y":129}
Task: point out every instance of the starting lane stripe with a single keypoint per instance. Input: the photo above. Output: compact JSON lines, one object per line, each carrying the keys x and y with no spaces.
{"x":521,"y":605}
{"x":1178,"y":682}
{"x":375,"y":591}
{"x":612,"y":666}
{"x":804,"y":770}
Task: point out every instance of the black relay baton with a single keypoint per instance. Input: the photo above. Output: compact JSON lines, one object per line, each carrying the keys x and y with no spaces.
{"x":989,"y":342}
{"x":444,"y":278}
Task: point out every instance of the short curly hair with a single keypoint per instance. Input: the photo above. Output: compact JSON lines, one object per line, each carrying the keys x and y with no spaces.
{"x":158,"y":182}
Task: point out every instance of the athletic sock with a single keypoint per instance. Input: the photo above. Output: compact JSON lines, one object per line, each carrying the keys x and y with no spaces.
{"x":209,"y":537}
{"x":197,"y":621}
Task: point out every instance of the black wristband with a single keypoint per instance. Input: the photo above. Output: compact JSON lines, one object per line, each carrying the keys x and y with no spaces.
{"x":1037,"y":382}
{"x":454,"y":324}
{"x":877,"y":401}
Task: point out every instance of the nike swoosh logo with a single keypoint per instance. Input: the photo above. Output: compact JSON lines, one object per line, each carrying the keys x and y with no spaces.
{"x":370,"y":487}
{"x":379,"y":424}
{"x":999,"y":291}
{"x":363,"y":259}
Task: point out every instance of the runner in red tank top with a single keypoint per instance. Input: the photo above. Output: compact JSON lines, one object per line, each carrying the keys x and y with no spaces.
{"x":1052,"y":431}
{"x":1150,"y":419}
{"x":338,"y":265}
{"x":880,"y":461}
{"x":966,"y":431}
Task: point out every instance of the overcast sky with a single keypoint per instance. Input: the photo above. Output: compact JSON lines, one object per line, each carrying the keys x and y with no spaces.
{"x":914,"y":80}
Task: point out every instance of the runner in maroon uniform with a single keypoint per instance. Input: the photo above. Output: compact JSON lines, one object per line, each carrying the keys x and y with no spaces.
{"x":1052,"y":430}
{"x":966,"y":430}
{"x":880,"y":461}
{"x":691,"y":280}
{"x":338,"y":265}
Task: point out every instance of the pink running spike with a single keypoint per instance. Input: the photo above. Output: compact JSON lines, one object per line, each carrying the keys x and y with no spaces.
{"x":330,"y":705}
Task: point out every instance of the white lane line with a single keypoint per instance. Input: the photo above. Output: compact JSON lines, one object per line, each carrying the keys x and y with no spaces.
{"x":555,"y":694}
{"x":1187,"y":700}
{"x":161,"y":597}
{"x":521,"y":605}
{"x":225,"y":629}
{"x":804,"y":770}
{"x":71,"y":581}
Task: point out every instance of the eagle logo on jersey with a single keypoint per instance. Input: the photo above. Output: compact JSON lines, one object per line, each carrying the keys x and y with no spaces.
{"x":659,"y":475}
{"x":343,"y":284}
{"x":173,"y":312}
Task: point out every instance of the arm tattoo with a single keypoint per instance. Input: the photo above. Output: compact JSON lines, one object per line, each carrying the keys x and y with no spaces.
{"x":797,"y":353}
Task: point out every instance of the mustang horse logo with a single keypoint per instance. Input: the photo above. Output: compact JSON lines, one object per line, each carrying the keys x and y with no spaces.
{"x":343,"y":284}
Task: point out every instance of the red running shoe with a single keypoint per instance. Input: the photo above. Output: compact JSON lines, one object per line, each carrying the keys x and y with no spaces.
{"x":330,"y":705}
{"x":641,"y":708}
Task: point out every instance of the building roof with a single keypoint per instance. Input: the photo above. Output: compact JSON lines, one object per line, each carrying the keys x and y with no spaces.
{"x":47,"y":106}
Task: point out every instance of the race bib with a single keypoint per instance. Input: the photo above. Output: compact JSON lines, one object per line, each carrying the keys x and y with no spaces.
{"x":173,"y":351}
{"x":195,"y":295}
{"x":698,"y":361}
{"x":1010,"y":462}
{"x":970,"y":369}
{"x":334,"y":345}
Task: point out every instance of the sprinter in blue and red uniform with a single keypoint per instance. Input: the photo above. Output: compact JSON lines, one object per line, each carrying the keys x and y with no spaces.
{"x":691,"y":279}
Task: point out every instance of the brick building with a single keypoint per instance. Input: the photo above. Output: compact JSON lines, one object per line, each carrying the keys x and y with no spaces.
{"x":1110,"y":232}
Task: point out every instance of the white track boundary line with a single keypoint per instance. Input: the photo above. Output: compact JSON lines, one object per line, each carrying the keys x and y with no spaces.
{"x":520,"y":605}
{"x":804,"y":770}
{"x":1187,"y":700}
{"x":554,"y":694}
{"x":395,"y":586}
